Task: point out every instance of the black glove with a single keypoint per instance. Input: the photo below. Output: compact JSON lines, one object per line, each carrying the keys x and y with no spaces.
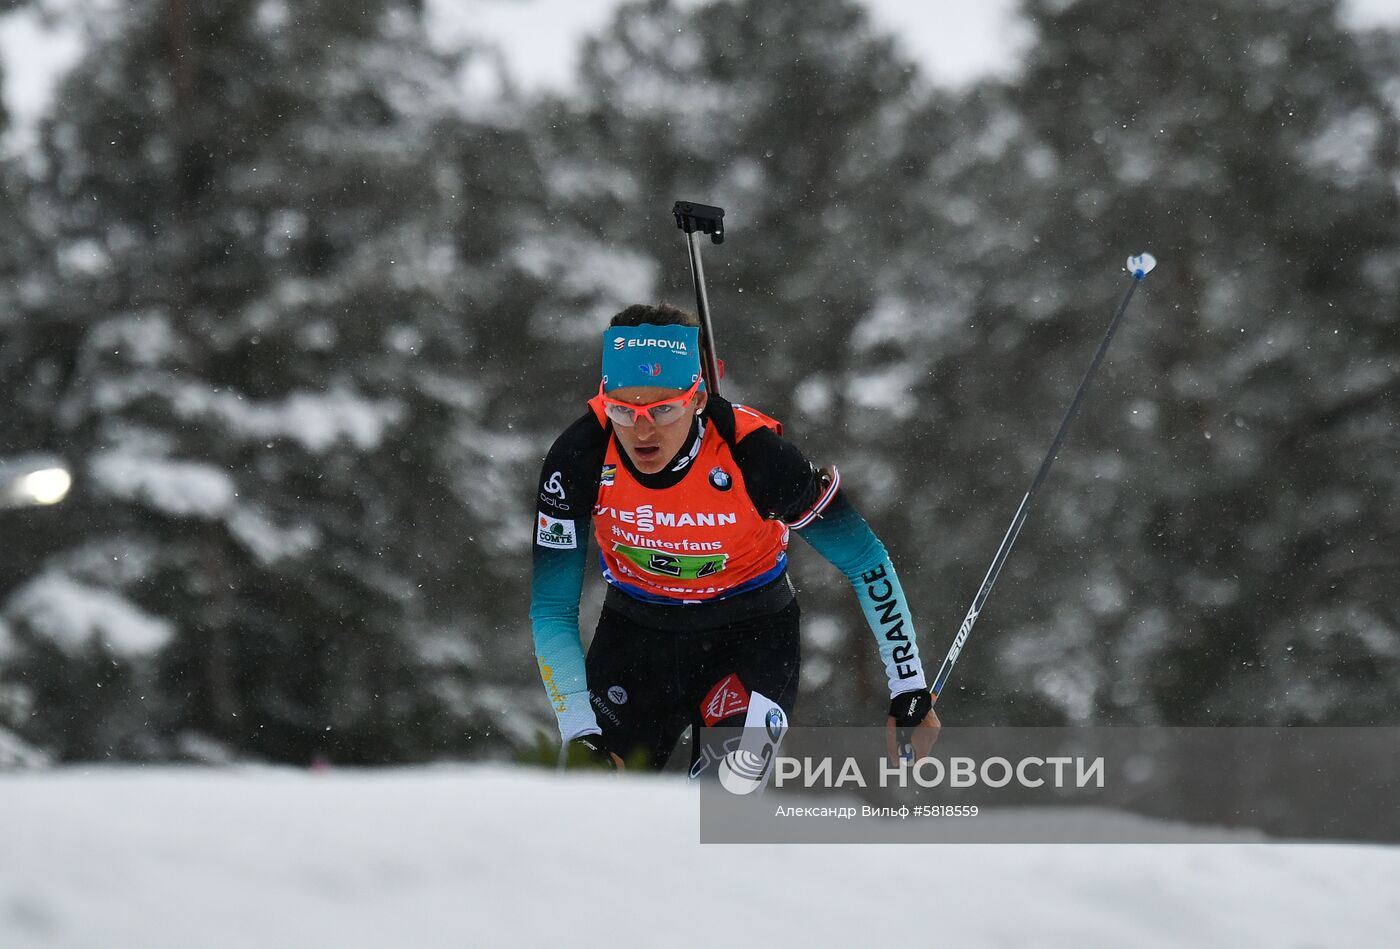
{"x":589,"y":752}
{"x":910,"y":708}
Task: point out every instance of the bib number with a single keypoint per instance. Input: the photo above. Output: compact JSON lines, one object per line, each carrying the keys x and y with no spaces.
{"x":675,"y":566}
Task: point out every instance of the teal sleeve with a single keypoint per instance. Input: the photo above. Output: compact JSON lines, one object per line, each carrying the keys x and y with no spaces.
{"x":843,"y":537}
{"x":554,"y":596}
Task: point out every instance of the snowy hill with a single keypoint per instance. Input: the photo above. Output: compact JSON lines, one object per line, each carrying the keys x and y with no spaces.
{"x":499,"y":858}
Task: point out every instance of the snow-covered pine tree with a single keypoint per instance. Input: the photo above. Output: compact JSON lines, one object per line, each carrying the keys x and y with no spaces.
{"x":257,"y":215}
{"x":1213,"y":548}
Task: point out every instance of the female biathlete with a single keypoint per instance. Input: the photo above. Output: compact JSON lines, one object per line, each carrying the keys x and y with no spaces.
{"x":691,"y":499}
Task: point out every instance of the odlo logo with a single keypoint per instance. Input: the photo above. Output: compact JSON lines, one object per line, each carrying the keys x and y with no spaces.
{"x":617,"y":695}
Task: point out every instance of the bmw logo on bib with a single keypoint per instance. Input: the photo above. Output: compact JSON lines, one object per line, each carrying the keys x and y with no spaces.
{"x":720,"y":478}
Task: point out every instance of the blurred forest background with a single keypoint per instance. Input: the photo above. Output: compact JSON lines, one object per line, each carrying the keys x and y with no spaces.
{"x":303,"y":308}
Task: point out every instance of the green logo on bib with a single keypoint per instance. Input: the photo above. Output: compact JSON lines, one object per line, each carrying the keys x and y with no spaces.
{"x":675,"y":566}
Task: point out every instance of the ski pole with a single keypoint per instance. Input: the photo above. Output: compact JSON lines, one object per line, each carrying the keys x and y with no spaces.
{"x":702,"y":219}
{"x":1138,"y":267}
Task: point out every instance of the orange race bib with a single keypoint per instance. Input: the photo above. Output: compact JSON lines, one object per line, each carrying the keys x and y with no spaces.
{"x":700,"y":539}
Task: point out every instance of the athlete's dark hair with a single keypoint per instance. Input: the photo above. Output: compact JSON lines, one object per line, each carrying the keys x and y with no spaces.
{"x":662,"y":314}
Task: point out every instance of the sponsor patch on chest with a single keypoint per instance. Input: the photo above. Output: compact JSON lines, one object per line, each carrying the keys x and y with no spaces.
{"x":646,"y":518}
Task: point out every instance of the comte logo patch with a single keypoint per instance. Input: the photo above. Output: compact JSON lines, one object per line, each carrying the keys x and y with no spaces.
{"x":553,"y":532}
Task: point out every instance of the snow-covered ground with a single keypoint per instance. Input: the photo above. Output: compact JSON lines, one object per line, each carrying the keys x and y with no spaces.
{"x":495,"y":857}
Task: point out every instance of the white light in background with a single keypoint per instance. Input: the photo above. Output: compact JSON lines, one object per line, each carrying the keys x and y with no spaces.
{"x":45,"y":486}
{"x":33,"y":481}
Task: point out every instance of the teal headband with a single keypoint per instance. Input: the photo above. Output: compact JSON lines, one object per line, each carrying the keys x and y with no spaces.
{"x":651,"y":355}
